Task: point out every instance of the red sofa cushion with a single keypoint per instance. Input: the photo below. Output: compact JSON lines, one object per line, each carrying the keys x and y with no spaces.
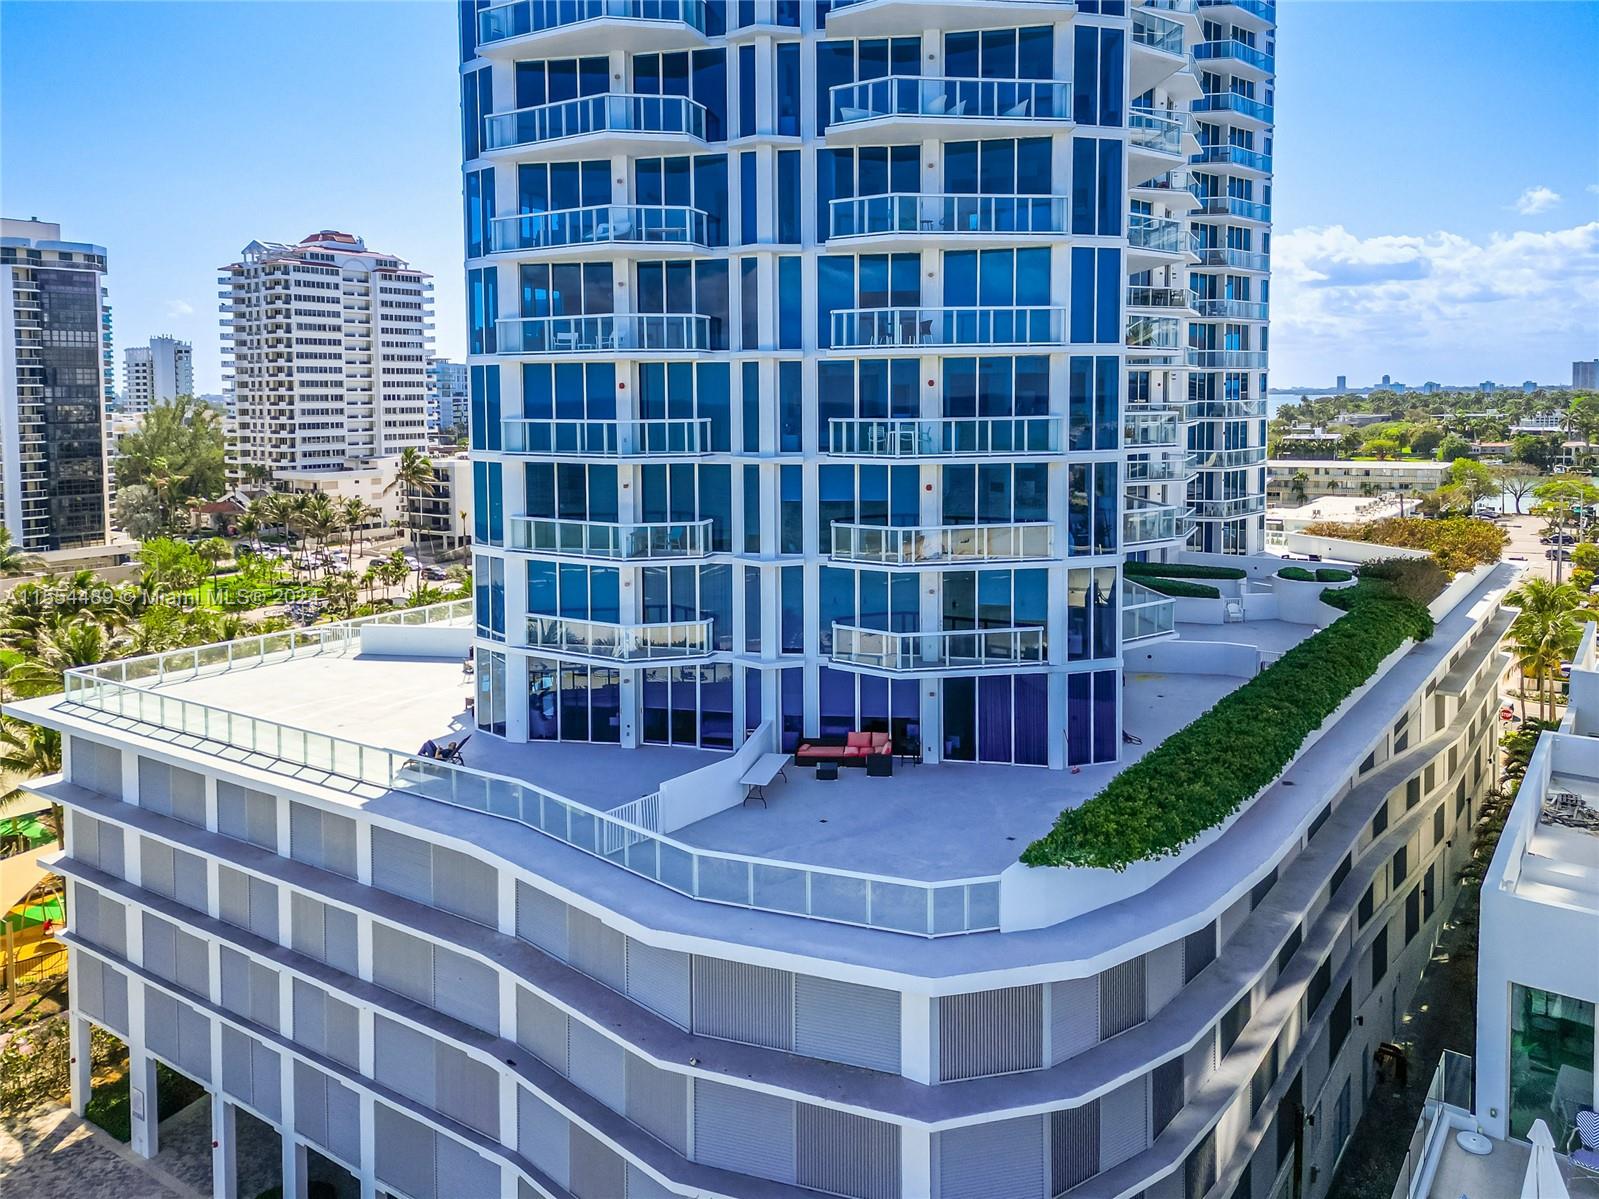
{"x":858,"y":741}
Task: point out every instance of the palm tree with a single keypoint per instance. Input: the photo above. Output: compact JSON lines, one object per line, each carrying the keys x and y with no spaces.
{"x":13,"y":561}
{"x":355,"y":513}
{"x":1545,"y":632}
{"x":414,"y":477}
{"x":319,"y":519}
{"x":28,"y":751}
{"x":213,"y":552}
{"x":82,"y":641}
{"x":250,"y":528}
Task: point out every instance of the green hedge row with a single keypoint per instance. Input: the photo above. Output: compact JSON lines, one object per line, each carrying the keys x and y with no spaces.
{"x":1296,"y":574}
{"x":1204,"y":772}
{"x":1325,"y":574}
{"x":1180,"y":570}
{"x":1178,"y":587}
{"x":1331,"y":574}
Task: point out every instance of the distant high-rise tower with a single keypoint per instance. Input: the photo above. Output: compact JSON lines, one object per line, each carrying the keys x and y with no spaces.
{"x":327,"y":345}
{"x":107,"y":351}
{"x":1585,"y":375}
{"x":54,"y":324}
{"x":1343,"y":382}
{"x":447,"y":394}
{"x":156,"y":373}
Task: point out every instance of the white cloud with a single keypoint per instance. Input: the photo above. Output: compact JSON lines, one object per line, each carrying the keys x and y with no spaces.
{"x":1437,"y":306}
{"x":179,"y":308}
{"x":1594,"y":188}
{"x":1536,"y":199}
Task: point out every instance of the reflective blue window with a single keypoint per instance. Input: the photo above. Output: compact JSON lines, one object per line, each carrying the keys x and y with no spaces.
{"x":790,"y":312}
{"x":746,"y":91}
{"x":750,"y":407}
{"x":790,"y":407}
{"x":793,"y":597}
{"x":483,"y":383}
{"x":788,"y":196}
{"x":788,"y":84}
{"x":749,"y":229}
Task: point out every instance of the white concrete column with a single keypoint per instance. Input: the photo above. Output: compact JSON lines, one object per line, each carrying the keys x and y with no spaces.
{"x":80,"y":1054}
{"x":224,"y":1149}
{"x":916,"y":1161}
{"x":916,"y":1036}
{"x":296,"y":1182}
{"x":367,"y":1176}
{"x":142,"y":1081}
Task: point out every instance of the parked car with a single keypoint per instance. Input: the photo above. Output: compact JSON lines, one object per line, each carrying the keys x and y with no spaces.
{"x":436,"y":573}
{"x":1557,"y":553}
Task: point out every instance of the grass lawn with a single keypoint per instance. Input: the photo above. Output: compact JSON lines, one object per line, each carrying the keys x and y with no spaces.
{"x":110,"y":1100}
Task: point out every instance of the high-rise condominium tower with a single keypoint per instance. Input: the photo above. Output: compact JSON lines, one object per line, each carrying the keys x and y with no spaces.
{"x":824,"y":381}
{"x":447,"y":394}
{"x":156,"y":373}
{"x":327,"y":344}
{"x":52,"y":414}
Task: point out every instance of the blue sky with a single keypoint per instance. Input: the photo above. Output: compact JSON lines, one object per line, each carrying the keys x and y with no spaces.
{"x":1437,"y":187}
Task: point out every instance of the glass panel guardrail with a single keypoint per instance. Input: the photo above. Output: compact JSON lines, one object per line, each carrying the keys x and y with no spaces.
{"x":1145,"y":613}
{"x":1240,"y":156}
{"x":1242,"y":260}
{"x":940,"y":649}
{"x":620,"y":642}
{"x":602,"y":333}
{"x":1234,"y":360}
{"x":904,"y":212}
{"x":598,"y":539}
{"x":1234,"y":50}
{"x":538,"y":16}
{"x":1155,"y":131}
{"x":1156,"y":428}
{"x":1163,"y":234}
{"x":1157,"y":32}
{"x":607,"y":438}
{"x":1154,"y":333}
{"x":872,"y":328}
{"x":646,"y":224}
{"x":912,"y":437}
{"x":1243,"y":310}
{"x":885,"y":545}
{"x":607,"y":112}
{"x":1246,"y":106}
{"x":1160,"y":297}
{"x":950,"y":99}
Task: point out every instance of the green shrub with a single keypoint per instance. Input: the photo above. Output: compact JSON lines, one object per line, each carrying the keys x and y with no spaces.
{"x":1296,"y":574}
{"x":1178,"y":587}
{"x":1457,"y":542}
{"x":1181,"y":570}
{"x":1204,"y":772}
{"x":1331,"y":574}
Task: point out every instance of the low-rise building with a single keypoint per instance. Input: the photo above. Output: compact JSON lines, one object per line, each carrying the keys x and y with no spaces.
{"x":442,"y":515}
{"x":1291,"y":481}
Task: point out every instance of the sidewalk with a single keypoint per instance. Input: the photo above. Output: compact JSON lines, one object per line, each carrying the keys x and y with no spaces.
{"x":50,"y":1153}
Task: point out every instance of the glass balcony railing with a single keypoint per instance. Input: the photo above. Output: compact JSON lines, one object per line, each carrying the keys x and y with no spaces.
{"x":940,"y":649}
{"x":909,"y":213}
{"x":1157,"y":32}
{"x":1226,"y":409}
{"x":1154,"y":333}
{"x":1245,"y":106}
{"x":1159,"y":297}
{"x":877,"y":328}
{"x":1249,"y":210}
{"x":1145,"y":430}
{"x":650,"y":225}
{"x":604,"y":333}
{"x":1232,"y":50}
{"x":1157,"y":470}
{"x":1266,"y":10}
{"x":611,"y":541}
{"x":674,"y":438}
{"x":1145,"y":613}
{"x":1242,"y":260}
{"x":1177,"y":6}
{"x":608,"y":642}
{"x":608,"y":112}
{"x":1229,"y":459}
{"x":1231,"y":509}
{"x":1227,"y":360}
{"x":540,"y":16}
{"x":1238,"y":156}
{"x":946,"y":437}
{"x":1144,"y":523}
{"x":942,"y":545}
{"x":1240,"y":310}
{"x":1150,"y":130}
{"x":949,"y":99}
{"x":1162,"y":234}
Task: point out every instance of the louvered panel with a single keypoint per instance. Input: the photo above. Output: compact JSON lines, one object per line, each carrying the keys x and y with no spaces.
{"x":1200,"y":1061}
{"x":264,"y":909}
{"x":466,"y":886}
{"x":189,"y":882}
{"x":155,"y":867}
{"x":404,"y":1060}
{"x":464,"y":1171}
{"x":264,"y":999}
{"x":247,"y":815}
{"x":1166,"y":1094}
{"x":237,"y":1076}
{"x":1073,"y":1017}
{"x":339,"y":932}
{"x":595,"y":1063}
{"x":1074,"y":1137}
{"x":993,"y":1161}
{"x":543,"y":1136}
{"x":265,"y":1070}
{"x":343,"y":1032}
{"x":338,"y":844}
{"x":95,"y":766}
{"x":402,"y":963}
{"x":1199,"y":951}
{"x":233,"y":896}
{"x":161,"y":1024}
{"x":194,"y":964}
{"x":155,"y":794}
{"x":983,"y":1033}
{"x":541,"y":1029}
{"x":747,"y":1131}
{"x":160,"y":947}
{"x":1124,"y":1122}
{"x":596,"y":949}
{"x":467,"y":1090}
{"x":186,"y":790}
{"x":114,"y":996}
{"x":659,"y":979}
{"x":310,"y":1016}
{"x":1164,"y":975}
{"x":740,"y":1002}
{"x":597,"y":1172}
{"x":1122,"y":997}
{"x":344,"y":1122}
{"x":403,"y":1153}
{"x":110,"y":923}
{"x":845,"y":1154}
{"x":541,"y":920}
{"x":846,"y":1022}
{"x":402,"y":865}
{"x":657,"y":1101}
{"x":194,"y":1042}
{"x":305,"y":833}
{"x":306,"y":932}
{"x":467,"y":989}
{"x":235,"y":981}
{"x":644,"y":1186}
{"x":86,"y":985}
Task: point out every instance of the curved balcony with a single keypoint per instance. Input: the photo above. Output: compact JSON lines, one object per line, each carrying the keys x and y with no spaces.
{"x":1265,"y":10}
{"x":867,"y":18}
{"x":1227,"y":360}
{"x":1235,"y":156}
{"x":1145,"y":523}
{"x":1165,"y":299}
{"x":1168,"y":468}
{"x":894,"y":546}
{"x":1248,"y":109}
{"x":604,"y":229}
{"x":913,"y":438}
{"x":605,"y":641}
{"x":1252,"y":455}
{"x":906,"y":220}
{"x":610,"y":439}
{"x":1154,"y":141}
{"x":596,"y":126}
{"x":1155,"y":428}
{"x":1241,"y":409}
{"x":898,"y":108}
{"x":1238,"y":260}
{"x":916,"y":330}
{"x":1244,"y":505}
{"x":551,"y":28}
{"x":608,"y":541}
{"x":605,"y":335}
{"x":1234,"y":206}
{"x":1236,"y":54}
{"x":1155,"y":334}
{"x":1156,"y":241}
{"x":1235,"y":310}
{"x":1146,"y":614}
{"x":939,"y":651}
{"x":1156,"y":52}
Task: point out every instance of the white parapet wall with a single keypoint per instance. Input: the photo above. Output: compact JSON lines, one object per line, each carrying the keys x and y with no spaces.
{"x":1193,"y":657}
{"x":714,"y":788}
{"x":1337,"y":549}
{"x":448,"y":641}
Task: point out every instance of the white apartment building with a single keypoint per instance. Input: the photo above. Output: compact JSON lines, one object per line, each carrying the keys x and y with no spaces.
{"x":327,"y":345}
{"x":1319,"y":477}
{"x":443,"y":515}
{"x":156,"y":373}
{"x":447,"y":394}
{"x":53,"y":334}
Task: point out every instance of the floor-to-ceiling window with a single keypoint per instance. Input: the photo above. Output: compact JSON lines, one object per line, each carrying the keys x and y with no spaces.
{"x":1551,"y":1060}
